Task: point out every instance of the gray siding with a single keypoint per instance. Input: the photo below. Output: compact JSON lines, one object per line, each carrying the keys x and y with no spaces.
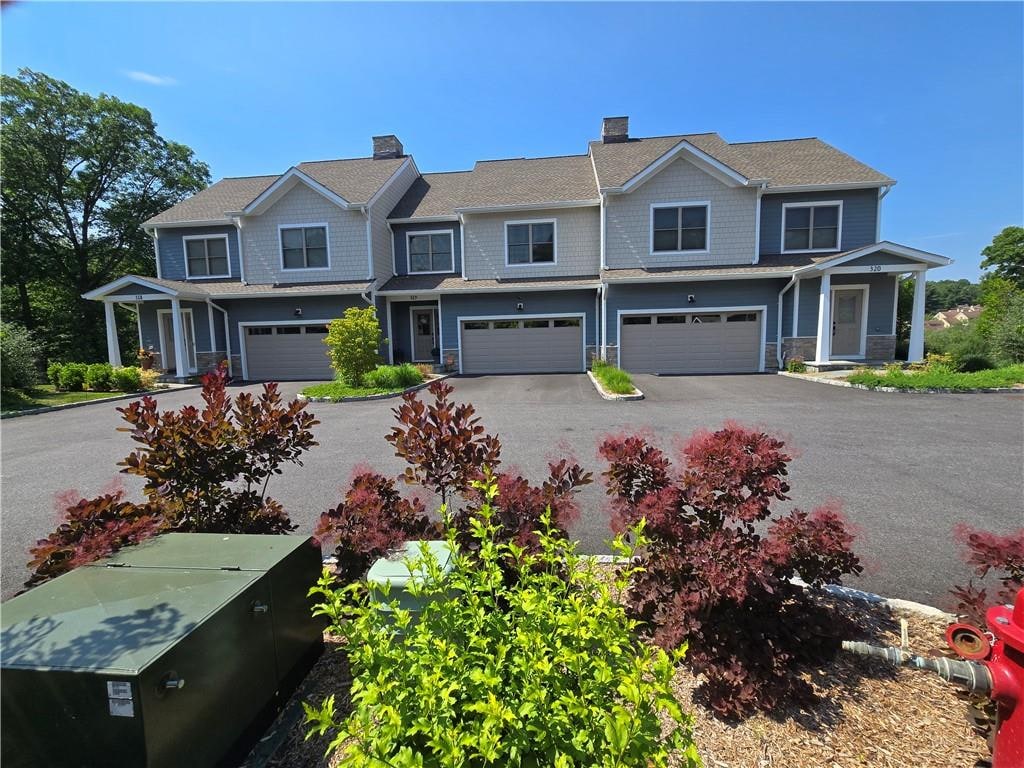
{"x":731,"y":224}
{"x":172,"y":249}
{"x":878,"y":259}
{"x":381,"y":236}
{"x":401,"y":243}
{"x":301,"y":205}
{"x":724,"y":293}
{"x":860,"y":214}
{"x":881,"y":290}
{"x":577,"y":243}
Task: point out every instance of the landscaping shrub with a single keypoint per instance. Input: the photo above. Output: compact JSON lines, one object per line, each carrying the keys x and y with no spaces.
{"x":1007,"y":334}
{"x":92,"y":529}
{"x":148,"y":378}
{"x":19,"y":357}
{"x":208,"y":469}
{"x":988,"y":552}
{"x":716,"y":574}
{"x":127,"y":379}
{"x":941,"y":378}
{"x":796,"y":365}
{"x":971,"y":363}
{"x":613,"y":379}
{"x":72,"y":377}
{"x":393,"y":377}
{"x":372,"y":520}
{"x":426,"y":370}
{"x":353,"y":342}
{"x":542,"y":670}
{"x":53,"y":373}
{"x":99,"y":377}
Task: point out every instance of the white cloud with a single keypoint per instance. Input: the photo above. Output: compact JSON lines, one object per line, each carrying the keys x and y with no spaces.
{"x":146,"y":77}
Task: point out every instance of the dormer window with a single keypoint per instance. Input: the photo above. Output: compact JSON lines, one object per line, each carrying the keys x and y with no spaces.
{"x":680,"y":227}
{"x":206,"y":256}
{"x":304,"y":247}
{"x":430,"y":252}
{"x":811,"y":226}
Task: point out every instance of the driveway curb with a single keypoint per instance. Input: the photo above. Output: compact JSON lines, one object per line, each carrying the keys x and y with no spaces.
{"x":97,"y":401}
{"x":384,"y":396}
{"x":638,"y":395}
{"x":896,"y":390}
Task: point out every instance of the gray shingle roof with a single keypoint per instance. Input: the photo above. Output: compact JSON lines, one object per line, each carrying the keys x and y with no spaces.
{"x":530,"y":181}
{"x":231,"y":194}
{"x":455,"y":283}
{"x":222,"y":288}
{"x":781,"y":265}
{"x":433,"y":194}
{"x":356,"y":180}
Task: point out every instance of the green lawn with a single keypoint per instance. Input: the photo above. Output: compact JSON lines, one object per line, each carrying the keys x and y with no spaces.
{"x":336,"y":390}
{"x":941,"y":379}
{"x":613,"y":379}
{"x":44,"y":396}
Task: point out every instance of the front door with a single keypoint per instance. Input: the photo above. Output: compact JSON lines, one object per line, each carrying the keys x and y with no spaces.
{"x":424,"y":334}
{"x":847,"y":322}
{"x":167,"y":353}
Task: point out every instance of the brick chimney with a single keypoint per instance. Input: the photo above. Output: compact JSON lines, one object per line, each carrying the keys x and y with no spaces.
{"x":387,"y":147}
{"x":615,"y":130}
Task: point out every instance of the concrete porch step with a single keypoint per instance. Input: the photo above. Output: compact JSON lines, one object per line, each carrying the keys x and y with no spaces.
{"x":843,"y":365}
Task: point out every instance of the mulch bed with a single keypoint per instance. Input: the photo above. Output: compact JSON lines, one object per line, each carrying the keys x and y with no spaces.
{"x":868,"y":714}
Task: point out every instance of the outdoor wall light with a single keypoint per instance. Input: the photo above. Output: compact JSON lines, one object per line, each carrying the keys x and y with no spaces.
{"x":691,"y":299}
{"x":298,"y":311}
{"x":519,"y":306}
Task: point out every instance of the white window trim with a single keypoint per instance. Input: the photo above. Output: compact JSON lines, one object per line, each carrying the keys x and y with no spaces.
{"x":866,"y":290}
{"x":763,"y":320}
{"x":814,"y":204}
{"x":541,"y":316}
{"x":408,"y":254}
{"x":412,"y":330}
{"x":304,"y":225}
{"x":554,"y":243}
{"x":193,"y":364}
{"x":264,"y":323}
{"x":184,"y":251}
{"x":706,"y":204}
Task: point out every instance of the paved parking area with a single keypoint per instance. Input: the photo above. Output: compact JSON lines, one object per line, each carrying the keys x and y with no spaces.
{"x":907,"y":467}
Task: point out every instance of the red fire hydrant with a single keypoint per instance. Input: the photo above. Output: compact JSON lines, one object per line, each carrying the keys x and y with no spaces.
{"x":993,"y":665}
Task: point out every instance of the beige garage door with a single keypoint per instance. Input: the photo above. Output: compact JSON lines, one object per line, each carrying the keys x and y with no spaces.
{"x":709,"y":342}
{"x":522,"y":345}
{"x":283,"y":352}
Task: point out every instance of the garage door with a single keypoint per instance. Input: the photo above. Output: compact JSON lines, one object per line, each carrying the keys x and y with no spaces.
{"x":709,"y":342}
{"x":522,"y":345}
{"x":283,"y":352}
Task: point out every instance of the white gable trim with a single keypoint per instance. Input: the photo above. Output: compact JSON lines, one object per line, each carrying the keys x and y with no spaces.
{"x":698,"y":157}
{"x":391,"y":180}
{"x":288,"y":180}
{"x":121,"y":282}
{"x":932,"y":259}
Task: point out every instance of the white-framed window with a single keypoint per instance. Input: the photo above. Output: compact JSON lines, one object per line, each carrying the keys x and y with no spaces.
{"x":530,"y":242}
{"x":815,"y":226}
{"x":304,"y":246}
{"x":430,"y":251}
{"x":680,"y":227}
{"x":206,"y":256}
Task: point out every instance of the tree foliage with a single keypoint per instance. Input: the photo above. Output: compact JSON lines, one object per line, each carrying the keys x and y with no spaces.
{"x":19,"y":357}
{"x":81,"y":173}
{"x":1005,"y":256}
{"x":985,"y":553}
{"x":353,"y":343}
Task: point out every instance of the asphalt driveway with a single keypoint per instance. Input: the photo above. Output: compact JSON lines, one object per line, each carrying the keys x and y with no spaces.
{"x":907,"y":467}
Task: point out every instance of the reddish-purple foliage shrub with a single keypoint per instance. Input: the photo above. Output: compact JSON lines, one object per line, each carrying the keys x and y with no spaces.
{"x":711,"y":580}
{"x":208,"y":469}
{"x":988,"y":552}
{"x":92,"y":529}
{"x":372,"y":520}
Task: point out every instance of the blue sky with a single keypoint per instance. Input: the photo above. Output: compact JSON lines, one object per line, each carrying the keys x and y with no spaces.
{"x":931,"y":94}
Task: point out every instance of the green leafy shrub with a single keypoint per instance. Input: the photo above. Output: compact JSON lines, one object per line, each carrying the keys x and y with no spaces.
{"x":1007,"y":334}
{"x":893,"y":369}
{"x":796,"y":365}
{"x":958,"y":343}
{"x":72,"y":377}
{"x":393,"y":377}
{"x":942,"y":378}
{"x":53,"y":374}
{"x":542,"y":670}
{"x":19,"y":357}
{"x":971,"y":363}
{"x":353,"y":342}
{"x":99,"y":377}
{"x":126,"y":379}
{"x":613,"y":379}
{"x":149,"y":378}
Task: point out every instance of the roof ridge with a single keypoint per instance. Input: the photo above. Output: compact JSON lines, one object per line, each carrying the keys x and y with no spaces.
{"x":777,"y":141}
{"x":542,"y":157}
{"x":253,"y":176}
{"x":664,"y":136}
{"x":442,"y":173}
{"x":350,"y":159}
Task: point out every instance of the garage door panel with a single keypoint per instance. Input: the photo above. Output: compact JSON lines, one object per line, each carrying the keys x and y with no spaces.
{"x":283,"y":355}
{"x":712,"y":346}
{"x":522,"y":350}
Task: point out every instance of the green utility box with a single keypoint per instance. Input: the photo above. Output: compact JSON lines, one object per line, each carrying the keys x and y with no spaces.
{"x":163,"y":655}
{"x":394,"y":570}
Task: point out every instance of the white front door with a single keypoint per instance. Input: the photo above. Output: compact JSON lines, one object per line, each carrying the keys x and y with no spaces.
{"x":848,"y":307}
{"x":167,"y":355}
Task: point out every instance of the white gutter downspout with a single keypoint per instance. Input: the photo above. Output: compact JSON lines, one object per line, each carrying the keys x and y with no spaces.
{"x":227,"y":330}
{"x":391,"y":239}
{"x":369,"y":242}
{"x":604,"y":202}
{"x":603,"y":288}
{"x":155,"y":234}
{"x":462,"y":244}
{"x":778,"y":344}
{"x":882,"y":192}
{"x":241,"y":255}
{"x":757,"y":222}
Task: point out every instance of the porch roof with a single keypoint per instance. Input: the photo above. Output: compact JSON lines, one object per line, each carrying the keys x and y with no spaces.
{"x":155,"y":288}
{"x":406,"y":284}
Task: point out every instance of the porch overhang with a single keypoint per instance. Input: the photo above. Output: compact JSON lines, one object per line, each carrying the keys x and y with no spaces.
{"x":136,"y":289}
{"x":906,"y":259}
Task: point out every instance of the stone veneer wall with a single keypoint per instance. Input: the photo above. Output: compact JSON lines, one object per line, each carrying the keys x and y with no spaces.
{"x":771,"y":360}
{"x":881,"y":348}
{"x":803,"y":347}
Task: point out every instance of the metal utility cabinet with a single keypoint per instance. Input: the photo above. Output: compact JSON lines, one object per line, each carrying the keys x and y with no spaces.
{"x":162,"y":655}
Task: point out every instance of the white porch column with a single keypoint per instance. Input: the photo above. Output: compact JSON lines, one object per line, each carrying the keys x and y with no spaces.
{"x":180,"y":350}
{"x":213,"y":327}
{"x":113,"y":346}
{"x":823,"y":349}
{"x":915,"y":353}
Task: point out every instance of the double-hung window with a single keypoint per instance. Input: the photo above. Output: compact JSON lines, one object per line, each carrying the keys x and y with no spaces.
{"x":207,"y":256}
{"x":811,"y":227}
{"x":430,"y":251}
{"x":679,"y":228}
{"x":304,"y":247}
{"x":530,"y":242}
